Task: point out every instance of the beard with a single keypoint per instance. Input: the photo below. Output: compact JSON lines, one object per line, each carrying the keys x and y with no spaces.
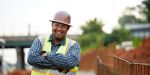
{"x":58,"y":37}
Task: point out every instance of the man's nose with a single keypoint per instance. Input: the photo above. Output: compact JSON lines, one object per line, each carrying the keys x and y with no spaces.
{"x":59,"y":28}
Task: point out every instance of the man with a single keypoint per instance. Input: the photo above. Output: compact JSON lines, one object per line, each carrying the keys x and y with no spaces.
{"x":55,"y":54}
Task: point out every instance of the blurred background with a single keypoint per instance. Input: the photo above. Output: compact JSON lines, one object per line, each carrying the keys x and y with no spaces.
{"x":114,"y":35}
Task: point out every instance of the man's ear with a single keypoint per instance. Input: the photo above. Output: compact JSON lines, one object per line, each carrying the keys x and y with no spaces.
{"x":52,"y":23}
{"x":68,"y":27}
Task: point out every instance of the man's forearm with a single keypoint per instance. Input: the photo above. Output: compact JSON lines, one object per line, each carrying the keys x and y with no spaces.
{"x":39,"y":61}
{"x":35,"y":57}
{"x":62,"y":61}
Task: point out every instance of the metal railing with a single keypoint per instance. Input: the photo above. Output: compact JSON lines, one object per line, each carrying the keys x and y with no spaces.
{"x":102,"y":68}
{"x":123,"y":67}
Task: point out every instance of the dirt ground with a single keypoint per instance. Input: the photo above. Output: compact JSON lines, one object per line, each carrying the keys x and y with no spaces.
{"x":140,"y":55}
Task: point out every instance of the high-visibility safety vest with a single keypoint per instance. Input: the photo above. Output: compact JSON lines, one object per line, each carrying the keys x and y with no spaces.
{"x":46,"y":46}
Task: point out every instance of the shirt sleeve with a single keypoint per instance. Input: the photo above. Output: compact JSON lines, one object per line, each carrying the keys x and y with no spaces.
{"x":70,"y":60}
{"x":34,"y":57}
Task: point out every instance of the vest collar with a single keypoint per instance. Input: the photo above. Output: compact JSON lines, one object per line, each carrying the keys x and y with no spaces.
{"x":63,"y":42}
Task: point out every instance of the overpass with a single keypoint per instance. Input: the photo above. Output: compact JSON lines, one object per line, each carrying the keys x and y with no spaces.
{"x":19,"y":43}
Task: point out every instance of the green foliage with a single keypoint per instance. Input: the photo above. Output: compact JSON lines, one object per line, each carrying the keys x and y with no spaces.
{"x":129,"y":19}
{"x":110,"y":38}
{"x":146,"y":10}
{"x":137,"y":42}
{"x":129,"y":16}
{"x":89,"y":40}
{"x":122,"y":34}
{"x":92,"y":34}
{"x":92,"y":26}
{"x":117,"y":36}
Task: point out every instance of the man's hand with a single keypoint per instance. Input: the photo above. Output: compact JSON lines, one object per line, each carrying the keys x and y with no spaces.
{"x":43,"y":53}
{"x":63,"y":70}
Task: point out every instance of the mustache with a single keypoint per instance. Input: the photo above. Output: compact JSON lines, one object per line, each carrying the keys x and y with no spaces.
{"x":58,"y":37}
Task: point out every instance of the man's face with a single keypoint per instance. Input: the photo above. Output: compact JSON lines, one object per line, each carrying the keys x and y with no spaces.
{"x":59,"y":30}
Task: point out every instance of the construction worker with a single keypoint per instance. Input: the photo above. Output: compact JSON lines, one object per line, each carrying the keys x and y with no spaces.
{"x":55,"y":54}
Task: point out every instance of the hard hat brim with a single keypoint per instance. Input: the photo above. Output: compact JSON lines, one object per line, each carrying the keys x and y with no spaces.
{"x":60,"y":22}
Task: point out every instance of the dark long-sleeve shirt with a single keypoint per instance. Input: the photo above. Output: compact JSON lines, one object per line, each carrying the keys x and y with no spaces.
{"x":53,"y":60}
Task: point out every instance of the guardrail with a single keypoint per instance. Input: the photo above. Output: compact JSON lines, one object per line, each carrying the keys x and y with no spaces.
{"x":102,"y":68}
{"x":123,"y":67}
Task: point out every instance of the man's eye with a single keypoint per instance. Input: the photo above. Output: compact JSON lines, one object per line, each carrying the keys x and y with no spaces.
{"x":64,"y":25}
{"x":56,"y":25}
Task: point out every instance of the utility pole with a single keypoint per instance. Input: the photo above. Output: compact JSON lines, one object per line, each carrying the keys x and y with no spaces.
{"x":29,"y":30}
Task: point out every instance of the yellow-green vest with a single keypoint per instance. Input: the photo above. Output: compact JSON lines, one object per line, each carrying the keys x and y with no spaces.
{"x":46,"y":46}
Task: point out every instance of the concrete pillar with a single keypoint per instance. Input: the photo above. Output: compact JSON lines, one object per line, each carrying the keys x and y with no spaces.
{"x":20,"y":58}
{"x":0,"y":64}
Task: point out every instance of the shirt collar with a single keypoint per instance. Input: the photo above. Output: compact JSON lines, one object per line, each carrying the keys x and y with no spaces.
{"x":63,"y":42}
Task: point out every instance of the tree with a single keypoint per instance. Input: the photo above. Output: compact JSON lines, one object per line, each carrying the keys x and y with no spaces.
{"x":130,"y":17}
{"x":118,"y":35}
{"x":146,"y":10}
{"x":92,"y":26}
{"x":92,"y":34}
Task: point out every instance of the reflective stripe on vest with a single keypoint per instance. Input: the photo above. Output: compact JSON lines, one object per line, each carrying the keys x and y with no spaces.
{"x":62,"y":49}
{"x":47,"y":47}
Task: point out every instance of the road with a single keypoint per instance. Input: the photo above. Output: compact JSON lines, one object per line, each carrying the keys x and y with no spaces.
{"x":86,"y":73}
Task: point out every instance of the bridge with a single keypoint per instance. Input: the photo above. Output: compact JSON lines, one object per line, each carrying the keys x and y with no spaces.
{"x":21,"y":42}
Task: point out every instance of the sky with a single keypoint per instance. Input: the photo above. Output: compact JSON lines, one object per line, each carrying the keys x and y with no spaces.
{"x":17,"y":15}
